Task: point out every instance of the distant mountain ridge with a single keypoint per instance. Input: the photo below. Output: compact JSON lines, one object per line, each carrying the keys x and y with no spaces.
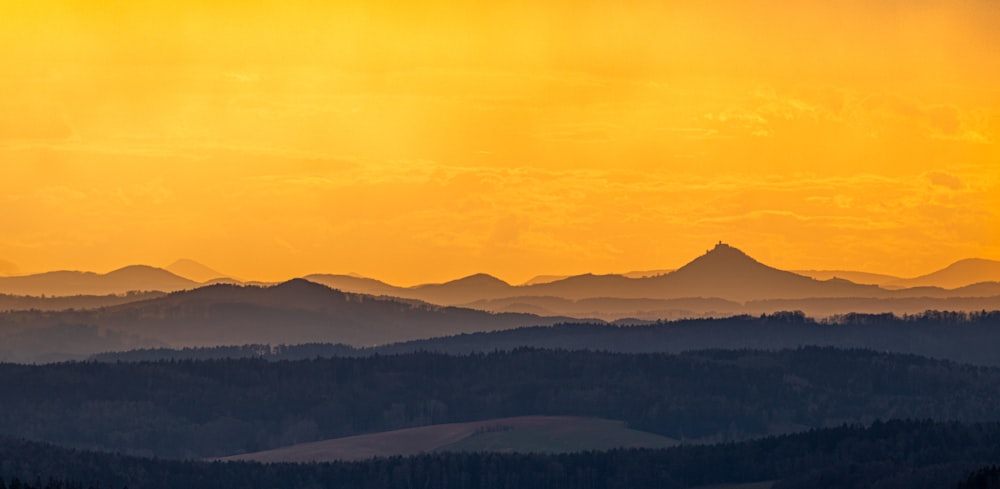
{"x":723,"y":281}
{"x":723,"y":272}
{"x":195,"y":271}
{"x":962,"y":273}
{"x":854,"y":276}
{"x":297,"y":311}
{"x":959,"y":274}
{"x":120,"y":281}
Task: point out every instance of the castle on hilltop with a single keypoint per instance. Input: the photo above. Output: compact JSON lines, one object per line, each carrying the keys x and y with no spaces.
{"x":719,"y":246}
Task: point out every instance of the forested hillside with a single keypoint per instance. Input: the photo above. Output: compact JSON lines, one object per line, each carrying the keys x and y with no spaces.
{"x":891,"y":455}
{"x":224,"y":407}
{"x":958,"y":336}
{"x":985,"y":478}
{"x":961,"y":337}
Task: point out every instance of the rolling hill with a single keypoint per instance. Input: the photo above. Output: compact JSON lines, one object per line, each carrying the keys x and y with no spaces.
{"x":60,"y":303}
{"x":958,"y":274}
{"x":724,"y":281}
{"x":297,"y":311}
{"x":195,"y":271}
{"x":219,"y":408}
{"x":723,"y":272}
{"x":969,"y":339}
{"x":120,"y":281}
{"x":854,"y":276}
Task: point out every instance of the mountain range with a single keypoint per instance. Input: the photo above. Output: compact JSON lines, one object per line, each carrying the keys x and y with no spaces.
{"x":723,"y":281}
{"x":195,"y":271}
{"x":123,"y":280}
{"x":723,"y":272}
{"x":959,"y":274}
{"x":297,"y":311}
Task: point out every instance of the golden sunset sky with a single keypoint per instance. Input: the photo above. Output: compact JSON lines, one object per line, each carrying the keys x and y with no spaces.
{"x":424,"y":141}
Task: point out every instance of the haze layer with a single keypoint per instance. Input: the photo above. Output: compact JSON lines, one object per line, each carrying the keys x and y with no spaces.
{"x":417,"y":142}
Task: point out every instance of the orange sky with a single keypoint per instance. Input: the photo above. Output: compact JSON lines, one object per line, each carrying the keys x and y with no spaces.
{"x":424,"y":141}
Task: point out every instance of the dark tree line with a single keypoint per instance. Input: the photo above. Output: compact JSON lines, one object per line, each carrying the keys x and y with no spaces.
{"x":894,"y":454}
{"x":984,"y":478}
{"x":274,"y":353}
{"x":958,"y":336}
{"x":16,"y":483}
{"x":968,"y":337}
{"x":223,"y":407}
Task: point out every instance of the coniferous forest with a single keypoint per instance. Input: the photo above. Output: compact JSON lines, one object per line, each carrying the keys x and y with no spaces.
{"x":894,"y":454}
{"x":802,"y":418}
{"x":222,"y":407}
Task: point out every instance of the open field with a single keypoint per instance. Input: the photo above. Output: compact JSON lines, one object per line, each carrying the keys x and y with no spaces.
{"x":517,"y":434}
{"x":557,"y":435}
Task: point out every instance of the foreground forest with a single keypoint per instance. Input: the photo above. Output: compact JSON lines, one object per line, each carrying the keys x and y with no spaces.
{"x":223,"y":407}
{"x":895,"y":454}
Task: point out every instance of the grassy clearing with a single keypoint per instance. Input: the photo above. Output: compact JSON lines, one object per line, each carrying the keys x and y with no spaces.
{"x":521,"y":434}
{"x":555,"y":435}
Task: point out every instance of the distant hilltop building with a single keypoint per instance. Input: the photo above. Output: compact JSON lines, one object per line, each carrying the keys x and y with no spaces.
{"x":719,"y":246}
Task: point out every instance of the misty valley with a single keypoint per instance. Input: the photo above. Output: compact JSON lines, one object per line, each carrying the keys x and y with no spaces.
{"x":724,"y":373}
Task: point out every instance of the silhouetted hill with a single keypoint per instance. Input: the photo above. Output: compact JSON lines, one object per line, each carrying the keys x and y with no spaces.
{"x":713,"y":284}
{"x":982,"y":289}
{"x":466,"y":289}
{"x":960,"y":337}
{"x":193,"y":270}
{"x":724,"y":272}
{"x":543,"y":279}
{"x":612,"y":308}
{"x":729,"y":273}
{"x":123,"y":280}
{"x":232,"y":281}
{"x":59,"y":303}
{"x":854,"y":276}
{"x":360,"y":285}
{"x":297,"y":311}
{"x":723,"y":281}
{"x":590,"y":285}
{"x":958,"y":274}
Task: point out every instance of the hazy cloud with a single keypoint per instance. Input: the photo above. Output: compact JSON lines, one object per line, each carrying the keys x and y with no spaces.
{"x":946,"y":180}
{"x":935,"y":121}
{"x":31,"y":122}
{"x":7,"y":268}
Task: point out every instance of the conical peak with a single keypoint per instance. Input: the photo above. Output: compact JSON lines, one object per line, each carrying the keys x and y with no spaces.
{"x":722,"y":250}
{"x":721,"y":257}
